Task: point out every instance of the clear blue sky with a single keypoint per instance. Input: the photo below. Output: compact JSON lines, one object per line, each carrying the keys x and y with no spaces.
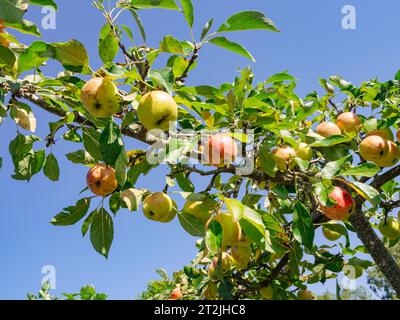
{"x":312,"y":44}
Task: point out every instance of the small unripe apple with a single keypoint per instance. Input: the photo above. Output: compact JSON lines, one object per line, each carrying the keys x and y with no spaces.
{"x":390,"y":229}
{"x":211,"y":291}
{"x":304,"y":151}
{"x":283,"y":157}
{"x":202,"y":210}
{"x":348,"y":122}
{"x":159,"y":207}
{"x":101,"y":180}
{"x":241,"y":255}
{"x":391,"y":158}
{"x":385,"y":133}
{"x":231,"y":230}
{"x":327,"y":129}
{"x":157,"y":109}
{"x":220,"y":150}
{"x":374,"y":148}
{"x":176,"y":294}
{"x":305,"y":295}
{"x":100,"y":97}
{"x":330,"y":234}
{"x":267,"y":292}
{"x":344,"y":206}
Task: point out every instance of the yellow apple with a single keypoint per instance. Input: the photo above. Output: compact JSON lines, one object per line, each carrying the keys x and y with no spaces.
{"x":304,"y":151}
{"x":391,"y":158}
{"x":241,"y":255}
{"x":390,"y":229}
{"x":327,"y":129}
{"x":283,"y":156}
{"x":267,"y":292}
{"x":159,"y":207}
{"x":349,"y":122}
{"x":231,"y":230}
{"x":202,"y":210}
{"x":374,"y":148}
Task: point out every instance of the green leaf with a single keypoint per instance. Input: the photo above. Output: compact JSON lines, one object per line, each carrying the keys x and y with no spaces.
{"x":366,"y":169}
{"x":247,"y":20}
{"x":81,"y":157}
{"x":280,"y":77}
{"x":132,"y":197}
{"x":51,"y":169}
{"x":111,"y":144}
{"x":232,"y":46}
{"x":163,"y":77}
{"x":206,"y":28}
{"x":303,"y":229}
{"x":108,"y":45}
{"x":102,"y":232}
{"x":369,"y":193}
{"x":91,"y":142}
{"x":72,"y":214}
{"x":72,"y":55}
{"x":47,"y":3}
{"x":267,"y":161}
{"x":191,"y":225}
{"x":148,"y":4}
{"x":115,"y":202}
{"x":88,"y":221}
{"x":332,"y":168}
{"x":7,"y":57}
{"x":252,"y":224}
{"x":184,"y":183}
{"x":331,"y":141}
{"x":187,"y":7}
{"x":120,"y":167}
{"x":139,"y":24}
{"x":225,"y":290}
{"x":213,"y":237}
{"x":171,"y":45}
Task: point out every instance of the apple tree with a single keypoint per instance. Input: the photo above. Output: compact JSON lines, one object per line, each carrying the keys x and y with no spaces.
{"x":277,"y":166}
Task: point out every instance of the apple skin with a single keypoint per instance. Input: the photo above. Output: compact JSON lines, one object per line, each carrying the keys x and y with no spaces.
{"x":159,"y":207}
{"x":156,"y":110}
{"x":101,"y":180}
{"x":231,"y":230}
{"x":385,"y":133}
{"x":267,"y":292}
{"x":3,"y":41}
{"x":390,"y":229}
{"x":329,"y":234}
{"x":374,"y":148}
{"x":304,"y":152}
{"x":220,"y":150}
{"x":176,"y":294}
{"x":211,"y":291}
{"x":327,"y":129}
{"x":398,"y":135}
{"x":305,"y":295}
{"x":244,"y":241}
{"x":227,"y":263}
{"x":349,"y":122}
{"x":344,"y":206}
{"x":391,"y":158}
{"x":100,"y":97}
{"x":241,"y":255}
{"x":202,"y":210}
{"x":283,"y":156}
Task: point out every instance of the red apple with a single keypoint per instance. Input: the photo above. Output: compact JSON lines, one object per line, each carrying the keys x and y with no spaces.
{"x":344,"y":206}
{"x":220,"y":150}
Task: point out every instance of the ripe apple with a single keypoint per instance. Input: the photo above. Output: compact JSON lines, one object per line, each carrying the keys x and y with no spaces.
{"x":211,"y":291}
{"x":159,"y":207}
{"x":374,"y":148}
{"x":283,"y":156}
{"x":391,"y":158}
{"x":327,"y":129}
{"x":348,"y":122}
{"x":157,"y":109}
{"x":202,"y":210}
{"x":390,"y":229}
{"x":231,"y":230}
{"x":305,"y":295}
{"x":344,"y":206}
{"x":176,"y":294}
{"x":101,"y":180}
{"x":352,"y":272}
{"x":100,"y":97}
{"x":267,"y":292}
{"x":241,"y":255}
{"x":220,"y":150}
{"x":385,"y":133}
{"x":304,"y":151}
{"x":330,"y":234}
{"x":226,"y":264}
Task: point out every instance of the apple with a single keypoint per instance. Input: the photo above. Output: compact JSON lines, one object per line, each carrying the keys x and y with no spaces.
{"x":344,"y":206}
{"x":159,"y":207}
{"x":156,"y":110}
{"x":244,"y":241}
{"x":374,"y":148}
{"x":211,"y":291}
{"x":241,"y":255}
{"x":220,"y":150}
{"x":352,"y":272}
{"x":100,"y":97}
{"x":348,"y":122}
{"x":398,"y":135}
{"x":226,"y":264}
{"x":283,"y":156}
{"x":3,"y":40}
{"x":327,"y":129}
{"x":101,"y":180}
{"x":385,"y":133}
{"x":267,"y":292}
{"x":330,"y":234}
{"x":231,"y":230}
{"x":304,"y":151}
{"x":391,"y":158}
{"x":202,"y":210}
{"x":390,"y":229}
{"x":305,"y":295}
{"x":176,"y":294}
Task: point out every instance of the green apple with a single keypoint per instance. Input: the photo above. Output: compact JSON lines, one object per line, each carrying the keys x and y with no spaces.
{"x":211,"y":291}
{"x":390,"y":229}
{"x":159,"y":207}
{"x":304,"y":152}
{"x":329,"y":233}
{"x":202,"y":210}
{"x":267,"y":292}
{"x":231,"y":230}
{"x":100,"y":97}
{"x":156,"y":110}
{"x":241,"y":255}
{"x":305,"y":295}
